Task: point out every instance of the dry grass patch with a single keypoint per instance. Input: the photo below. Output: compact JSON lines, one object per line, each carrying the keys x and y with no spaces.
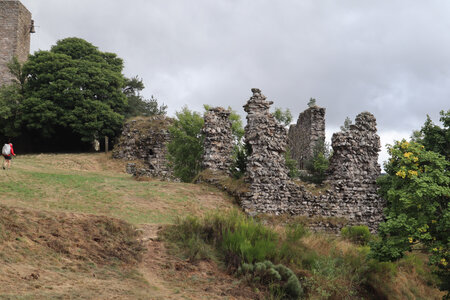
{"x":52,"y":255}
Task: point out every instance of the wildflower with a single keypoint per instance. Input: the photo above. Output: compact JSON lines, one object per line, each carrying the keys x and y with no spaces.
{"x":443,"y":262}
{"x":404,"y":145}
{"x":415,"y":158}
{"x":407,"y":154}
{"x":412,"y":173}
{"x":435,"y":249}
{"x":401,"y":174}
{"x":410,"y":239}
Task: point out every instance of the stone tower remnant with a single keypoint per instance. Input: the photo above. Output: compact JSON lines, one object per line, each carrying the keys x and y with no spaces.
{"x":306,"y":134}
{"x":218,"y":143}
{"x":145,"y":140}
{"x":354,"y":169}
{"x":15,"y":28}
{"x":266,"y":174}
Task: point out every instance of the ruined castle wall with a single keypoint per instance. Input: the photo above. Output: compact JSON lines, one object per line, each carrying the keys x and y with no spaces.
{"x":304,"y":136}
{"x":15,"y":24}
{"x":145,"y":140}
{"x":351,"y":193}
{"x":354,"y":169}
{"x":266,"y":170}
{"x":218,"y":142}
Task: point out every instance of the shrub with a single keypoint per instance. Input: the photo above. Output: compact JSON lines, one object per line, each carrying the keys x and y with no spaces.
{"x":190,"y":239}
{"x":318,"y":164}
{"x":282,"y":282}
{"x":186,"y":147}
{"x":248,"y":241}
{"x":240,"y":157}
{"x":291,"y":164}
{"x":357,"y":234}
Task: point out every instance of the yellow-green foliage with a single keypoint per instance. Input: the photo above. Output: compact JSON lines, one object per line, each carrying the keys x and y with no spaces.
{"x":417,"y":190}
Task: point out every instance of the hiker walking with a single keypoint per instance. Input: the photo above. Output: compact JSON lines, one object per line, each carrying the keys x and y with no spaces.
{"x":7,"y":152}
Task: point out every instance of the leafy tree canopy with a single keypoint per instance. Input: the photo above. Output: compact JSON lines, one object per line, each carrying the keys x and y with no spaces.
{"x":283,"y":117}
{"x":186,"y":147}
{"x":76,"y":87}
{"x":435,"y":138}
{"x":417,"y":191}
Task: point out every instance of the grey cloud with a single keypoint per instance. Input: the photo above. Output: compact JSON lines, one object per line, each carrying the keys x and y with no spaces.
{"x":391,"y":58}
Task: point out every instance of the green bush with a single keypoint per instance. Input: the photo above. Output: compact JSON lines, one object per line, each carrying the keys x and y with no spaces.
{"x":291,"y":164}
{"x":240,"y":157}
{"x":318,"y":164}
{"x":186,"y":145}
{"x":189,"y":238}
{"x":237,"y":237}
{"x":282,"y":282}
{"x":357,"y":234}
{"x":248,"y":241}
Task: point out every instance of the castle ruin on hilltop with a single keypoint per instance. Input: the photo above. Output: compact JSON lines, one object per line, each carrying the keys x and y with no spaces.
{"x":351,"y":193}
{"x":15,"y":29}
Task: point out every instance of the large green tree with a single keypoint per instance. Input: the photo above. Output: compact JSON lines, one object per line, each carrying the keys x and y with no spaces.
{"x":73,"y":88}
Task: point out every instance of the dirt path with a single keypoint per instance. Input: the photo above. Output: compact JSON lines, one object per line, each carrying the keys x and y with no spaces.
{"x":173,"y":278}
{"x":151,"y":262}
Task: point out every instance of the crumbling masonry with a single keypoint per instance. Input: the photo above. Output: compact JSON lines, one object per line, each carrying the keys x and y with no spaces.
{"x":218,"y":142}
{"x":351,"y":193}
{"x":267,"y":174}
{"x":308,"y":133}
{"x":144,"y":141}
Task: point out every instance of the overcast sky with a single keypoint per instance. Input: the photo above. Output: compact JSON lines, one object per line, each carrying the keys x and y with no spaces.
{"x":388,"y":57}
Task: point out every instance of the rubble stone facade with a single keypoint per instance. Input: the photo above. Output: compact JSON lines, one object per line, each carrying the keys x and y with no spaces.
{"x":351,"y":196}
{"x":145,"y":140}
{"x":15,"y":27}
{"x":306,"y":134}
{"x":218,"y":142}
{"x":266,"y":173}
{"x":354,"y":169}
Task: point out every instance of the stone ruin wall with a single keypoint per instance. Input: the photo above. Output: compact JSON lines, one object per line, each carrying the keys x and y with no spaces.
{"x":218,"y":142}
{"x":353,"y":170}
{"x":351,"y":194}
{"x":15,"y":26}
{"x":144,"y":140}
{"x":306,"y":134}
{"x":267,"y":174}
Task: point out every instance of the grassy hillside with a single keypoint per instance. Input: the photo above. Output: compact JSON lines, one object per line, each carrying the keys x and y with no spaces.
{"x":92,"y":183}
{"x":76,"y":226}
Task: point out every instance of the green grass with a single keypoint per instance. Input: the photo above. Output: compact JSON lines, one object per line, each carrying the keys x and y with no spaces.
{"x":41,"y":182}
